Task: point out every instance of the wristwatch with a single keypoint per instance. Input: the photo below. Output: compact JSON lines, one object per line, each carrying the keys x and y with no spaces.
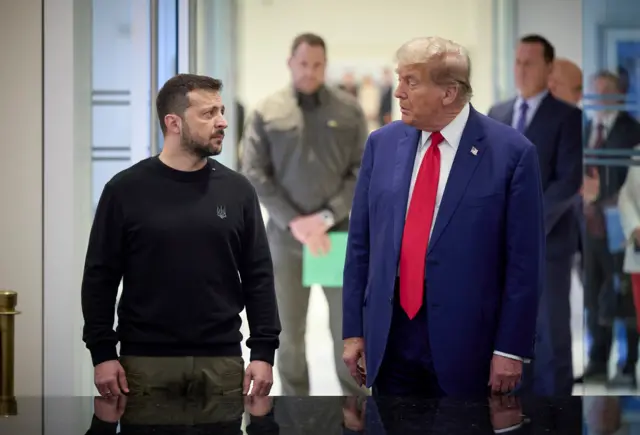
{"x":328,"y":218}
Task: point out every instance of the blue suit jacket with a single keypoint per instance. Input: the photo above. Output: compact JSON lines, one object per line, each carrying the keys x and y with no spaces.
{"x":556,"y":131}
{"x":485,"y":261}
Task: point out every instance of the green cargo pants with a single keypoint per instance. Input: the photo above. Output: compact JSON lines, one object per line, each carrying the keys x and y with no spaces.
{"x":183,"y":390}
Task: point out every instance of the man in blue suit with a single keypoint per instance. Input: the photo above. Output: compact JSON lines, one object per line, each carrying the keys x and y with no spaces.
{"x":555,"y":128}
{"x":446,"y":242}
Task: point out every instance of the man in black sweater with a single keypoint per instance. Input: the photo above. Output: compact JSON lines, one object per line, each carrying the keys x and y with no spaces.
{"x":186,"y":236}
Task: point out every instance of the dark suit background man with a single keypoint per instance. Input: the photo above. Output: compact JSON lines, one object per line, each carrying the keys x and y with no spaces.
{"x":565,"y":81}
{"x":441,"y":283}
{"x":555,"y":128}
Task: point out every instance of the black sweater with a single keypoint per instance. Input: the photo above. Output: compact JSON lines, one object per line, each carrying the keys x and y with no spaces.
{"x":192,"y":252}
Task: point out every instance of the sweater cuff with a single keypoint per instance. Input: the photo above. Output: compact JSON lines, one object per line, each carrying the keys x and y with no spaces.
{"x":103,"y":352}
{"x":263,"y":352}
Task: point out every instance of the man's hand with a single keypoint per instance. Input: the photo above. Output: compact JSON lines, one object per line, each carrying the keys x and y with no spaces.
{"x":109,"y":409}
{"x":505,"y":374}
{"x":505,"y":412}
{"x":353,"y":357}
{"x":304,"y":227}
{"x":353,"y":414}
{"x":259,"y":373}
{"x":319,"y":244}
{"x":110,"y":379}
{"x":258,"y":406}
{"x":591,"y":187}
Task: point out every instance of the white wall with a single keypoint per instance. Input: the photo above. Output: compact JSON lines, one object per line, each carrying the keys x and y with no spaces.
{"x":21,"y":181}
{"x":356,"y":31}
{"x":560,"y":21}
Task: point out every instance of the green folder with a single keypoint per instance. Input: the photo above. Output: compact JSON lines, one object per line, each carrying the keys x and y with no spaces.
{"x":325,"y":270}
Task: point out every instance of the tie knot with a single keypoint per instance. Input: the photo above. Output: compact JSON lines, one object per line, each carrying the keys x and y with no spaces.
{"x":436,"y":138}
{"x":524,"y":106}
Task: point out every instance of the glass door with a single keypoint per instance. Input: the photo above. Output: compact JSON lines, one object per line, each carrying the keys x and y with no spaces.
{"x":135,"y":50}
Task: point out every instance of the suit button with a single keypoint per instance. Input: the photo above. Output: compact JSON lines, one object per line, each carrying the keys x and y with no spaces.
{"x":390,"y":299}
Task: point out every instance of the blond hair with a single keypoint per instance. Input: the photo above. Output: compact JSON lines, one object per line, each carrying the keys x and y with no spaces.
{"x":449,"y":62}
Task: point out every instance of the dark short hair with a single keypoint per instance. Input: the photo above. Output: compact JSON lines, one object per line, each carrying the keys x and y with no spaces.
{"x":548,"y":51}
{"x":173,"y":96}
{"x":310,"y":39}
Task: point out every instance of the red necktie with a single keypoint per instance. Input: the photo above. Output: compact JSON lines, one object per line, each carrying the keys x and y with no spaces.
{"x":417,"y":228}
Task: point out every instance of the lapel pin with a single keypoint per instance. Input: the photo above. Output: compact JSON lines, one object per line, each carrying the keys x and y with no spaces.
{"x":331,"y":123}
{"x":474,"y":151}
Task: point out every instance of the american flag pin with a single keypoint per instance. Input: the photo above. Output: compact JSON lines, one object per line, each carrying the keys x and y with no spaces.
{"x":474,"y":151}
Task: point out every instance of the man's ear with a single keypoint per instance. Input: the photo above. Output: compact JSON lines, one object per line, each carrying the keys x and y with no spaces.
{"x":450,"y":95}
{"x":173,"y":123}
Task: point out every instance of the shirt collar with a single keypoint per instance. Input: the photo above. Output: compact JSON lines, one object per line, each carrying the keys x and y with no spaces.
{"x":606,"y":119}
{"x":310,"y":101}
{"x":532,"y":102}
{"x":452,"y":133}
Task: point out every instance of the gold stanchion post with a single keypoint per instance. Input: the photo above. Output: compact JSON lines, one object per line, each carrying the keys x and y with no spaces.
{"x":8,"y":304}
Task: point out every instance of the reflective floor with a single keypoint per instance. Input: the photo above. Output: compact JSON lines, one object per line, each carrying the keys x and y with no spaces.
{"x":162,"y":413}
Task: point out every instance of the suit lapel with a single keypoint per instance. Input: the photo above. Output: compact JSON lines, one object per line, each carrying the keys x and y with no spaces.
{"x":405,"y":157}
{"x":614,"y":137}
{"x":464,"y":165}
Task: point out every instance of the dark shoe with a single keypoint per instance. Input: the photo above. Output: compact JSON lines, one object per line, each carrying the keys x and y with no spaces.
{"x":593,"y":374}
{"x":622,"y":380}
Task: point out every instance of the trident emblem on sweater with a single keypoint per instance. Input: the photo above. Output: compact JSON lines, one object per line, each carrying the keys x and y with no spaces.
{"x":222,"y":212}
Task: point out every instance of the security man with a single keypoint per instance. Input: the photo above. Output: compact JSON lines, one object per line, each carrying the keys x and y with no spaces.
{"x":302,"y":152}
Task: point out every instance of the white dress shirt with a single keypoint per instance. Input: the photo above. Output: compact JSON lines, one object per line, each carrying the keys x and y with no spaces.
{"x":606,"y":119}
{"x":452,"y":134}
